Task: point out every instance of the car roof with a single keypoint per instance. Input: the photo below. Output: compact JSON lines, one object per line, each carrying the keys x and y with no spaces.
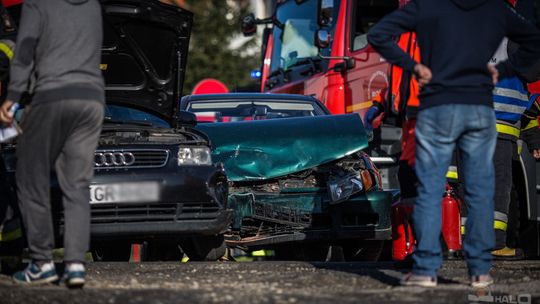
{"x":260,"y":96}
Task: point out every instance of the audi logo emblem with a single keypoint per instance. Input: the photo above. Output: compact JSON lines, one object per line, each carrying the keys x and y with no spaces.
{"x":113,"y":159}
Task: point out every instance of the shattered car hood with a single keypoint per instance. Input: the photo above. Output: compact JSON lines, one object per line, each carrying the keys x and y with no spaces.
{"x":266,"y":149}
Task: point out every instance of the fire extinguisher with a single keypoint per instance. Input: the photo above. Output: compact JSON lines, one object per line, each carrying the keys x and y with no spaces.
{"x":402,"y":233}
{"x":451,"y":221}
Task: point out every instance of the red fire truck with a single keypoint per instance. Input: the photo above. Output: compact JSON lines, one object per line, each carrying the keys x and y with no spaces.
{"x":320,"y":48}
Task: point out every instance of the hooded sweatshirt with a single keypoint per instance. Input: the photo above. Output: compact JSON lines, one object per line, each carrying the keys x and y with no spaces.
{"x":457,"y":38}
{"x":58,"y":51}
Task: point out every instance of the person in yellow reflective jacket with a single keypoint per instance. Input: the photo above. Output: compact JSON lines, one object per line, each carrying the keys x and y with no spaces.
{"x":516,"y":114}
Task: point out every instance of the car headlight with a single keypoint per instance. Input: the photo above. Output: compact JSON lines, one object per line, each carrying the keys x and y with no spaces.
{"x":195,"y":156}
{"x":341,"y":188}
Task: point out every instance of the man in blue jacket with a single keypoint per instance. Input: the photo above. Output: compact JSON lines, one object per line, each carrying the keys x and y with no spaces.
{"x":456,"y":38}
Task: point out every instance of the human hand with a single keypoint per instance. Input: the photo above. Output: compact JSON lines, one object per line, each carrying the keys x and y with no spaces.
{"x":373,"y":118}
{"x":536,"y":153}
{"x":423,"y":74}
{"x":6,"y":117}
{"x":370,"y":116}
{"x":494,"y":73}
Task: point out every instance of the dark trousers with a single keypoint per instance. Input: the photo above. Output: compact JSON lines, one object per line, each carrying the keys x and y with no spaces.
{"x":60,"y":136}
{"x":502,"y":161}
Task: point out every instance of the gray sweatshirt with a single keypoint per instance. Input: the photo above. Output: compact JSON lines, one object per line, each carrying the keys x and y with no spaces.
{"x":58,"y":43}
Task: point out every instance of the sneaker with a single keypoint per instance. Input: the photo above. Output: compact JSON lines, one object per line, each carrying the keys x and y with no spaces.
{"x":412,"y":279}
{"x":35,"y":274}
{"x":507,"y":253}
{"x":74,"y":275}
{"x":481,"y":281}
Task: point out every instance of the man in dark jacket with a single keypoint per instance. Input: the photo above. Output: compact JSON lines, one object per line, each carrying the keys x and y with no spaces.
{"x":456,"y":38}
{"x":57,"y":60}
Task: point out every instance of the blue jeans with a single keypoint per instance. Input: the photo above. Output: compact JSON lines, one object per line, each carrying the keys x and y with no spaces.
{"x":439,"y":130}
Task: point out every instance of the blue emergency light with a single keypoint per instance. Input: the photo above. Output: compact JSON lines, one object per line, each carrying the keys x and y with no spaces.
{"x":256,"y":74}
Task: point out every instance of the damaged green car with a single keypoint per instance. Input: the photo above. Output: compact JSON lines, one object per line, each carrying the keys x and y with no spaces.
{"x":298,"y":179}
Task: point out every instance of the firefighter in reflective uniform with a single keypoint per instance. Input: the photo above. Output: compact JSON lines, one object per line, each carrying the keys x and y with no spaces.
{"x":402,"y":101}
{"x":7,"y":46}
{"x":10,"y":226}
{"x":516,"y":114}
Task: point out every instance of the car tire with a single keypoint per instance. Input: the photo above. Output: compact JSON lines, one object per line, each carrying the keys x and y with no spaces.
{"x":111,"y":252}
{"x":205,"y":248}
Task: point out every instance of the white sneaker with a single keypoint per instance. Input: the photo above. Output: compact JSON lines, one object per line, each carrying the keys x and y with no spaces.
{"x":412,"y":279}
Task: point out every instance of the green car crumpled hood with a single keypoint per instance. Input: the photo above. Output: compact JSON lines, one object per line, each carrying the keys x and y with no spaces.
{"x":265,"y":149}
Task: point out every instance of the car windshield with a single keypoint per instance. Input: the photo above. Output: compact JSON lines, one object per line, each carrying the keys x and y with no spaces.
{"x":122,"y":114}
{"x":231,"y":110}
{"x":294,"y":42}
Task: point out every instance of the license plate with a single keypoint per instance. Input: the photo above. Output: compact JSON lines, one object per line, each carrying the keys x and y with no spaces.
{"x":144,"y":192}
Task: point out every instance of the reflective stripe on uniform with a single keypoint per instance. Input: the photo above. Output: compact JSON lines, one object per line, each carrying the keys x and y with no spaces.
{"x":501,"y":220}
{"x":11,"y":235}
{"x":452,"y":175}
{"x":6,"y":50}
{"x":533,"y":123}
{"x":258,"y":253}
{"x":510,"y":93}
{"x":508,"y":108}
{"x":510,"y":100}
{"x":452,"y":172}
{"x":499,"y":216}
{"x":499,"y":225}
{"x":506,"y":129}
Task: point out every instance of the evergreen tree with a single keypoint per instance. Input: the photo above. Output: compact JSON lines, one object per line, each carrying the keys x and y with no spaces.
{"x":216,"y":24}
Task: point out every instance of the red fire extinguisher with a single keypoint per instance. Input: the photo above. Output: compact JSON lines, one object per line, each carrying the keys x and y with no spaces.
{"x":402,"y":234}
{"x":451,"y":221}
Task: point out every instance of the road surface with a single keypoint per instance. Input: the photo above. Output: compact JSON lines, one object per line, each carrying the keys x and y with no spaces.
{"x":276,"y":282}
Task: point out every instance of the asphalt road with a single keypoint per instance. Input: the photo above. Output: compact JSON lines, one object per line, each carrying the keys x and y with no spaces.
{"x":275,"y":282}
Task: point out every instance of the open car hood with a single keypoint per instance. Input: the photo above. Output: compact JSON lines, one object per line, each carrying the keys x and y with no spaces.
{"x":265,"y":149}
{"x":144,"y":54}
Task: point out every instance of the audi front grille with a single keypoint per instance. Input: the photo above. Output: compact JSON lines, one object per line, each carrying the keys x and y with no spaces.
{"x":130,"y":159}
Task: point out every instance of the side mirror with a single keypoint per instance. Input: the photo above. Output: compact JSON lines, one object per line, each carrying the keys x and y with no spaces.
{"x":186,"y":119}
{"x":326,"y":11}
{"x":322,"y":39}
{"x":249,"y":25}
